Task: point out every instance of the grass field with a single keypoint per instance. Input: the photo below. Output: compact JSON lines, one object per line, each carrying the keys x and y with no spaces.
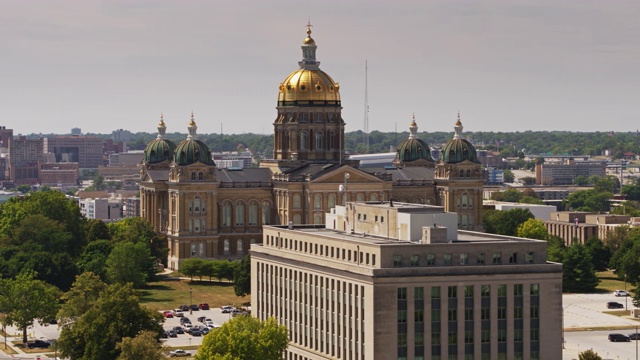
{"x":610,"y":282}
{"x":170,"y":292}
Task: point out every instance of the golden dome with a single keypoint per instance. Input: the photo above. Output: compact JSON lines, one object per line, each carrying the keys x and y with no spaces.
{"x":309,"y":41}
{"x":308,"y":87}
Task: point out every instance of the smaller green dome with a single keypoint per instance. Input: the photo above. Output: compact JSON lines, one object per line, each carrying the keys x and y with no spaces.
{"x":458,"y":149}
{"x":412,"y":148}
{"x":191,"y":150}
{"x":159,"y":150}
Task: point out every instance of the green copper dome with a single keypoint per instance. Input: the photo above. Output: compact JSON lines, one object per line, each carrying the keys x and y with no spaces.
{"x":160,"y":149}
{"x":191,"y":150}
{"x":412,"y":148}
{"x":458,"y":149}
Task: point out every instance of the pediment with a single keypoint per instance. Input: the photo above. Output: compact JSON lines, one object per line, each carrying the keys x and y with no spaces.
{"x":355,"y":176}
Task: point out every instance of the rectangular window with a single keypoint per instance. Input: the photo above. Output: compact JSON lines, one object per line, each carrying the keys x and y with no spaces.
{"x":485,"y":290}
{"x":502,"y":313}
{"x":447,"y":259}
{"x":535,"y":289}
{"x":453,"y":338}
{"x":517,"y":312}
{"x":513,"y":258}
{"x":435,"y":338}
{"x":402,"y":316}
{"x":517,"y":335}
{"x":431,"y":259}
{"x":468,"y":314}
{"x":418,"y":339}
{"x":397,"y":260}
{"x":517,"y":290}
{"x":453,"y":292}
{"x":402,"y":293}
{"x":435,"y":292}
{"x":464,"y":259}
{"x":418,"y":293}
{"x":402,"y":340}
{"x":485,"y":313}
{"x":435,"y":315}
{"x":502,"y":335}
{"x":453,"y":315}
{"x":535,"y":334}
{"x":535,"y":312}
{"x":502,"y":290}
{"x":497,"y":258}
{"x":468,"y":337}
{"x":415,"y":260}
{"x":419,"y":315}
{"x":486,"y":336}
{"x":528,"y":257}
{"x":480,"y":259}
{"x":468,"y":291}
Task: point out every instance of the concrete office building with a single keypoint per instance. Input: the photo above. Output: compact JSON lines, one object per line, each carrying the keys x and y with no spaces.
{"x":399,"y":281}
{"x":85,"y":150}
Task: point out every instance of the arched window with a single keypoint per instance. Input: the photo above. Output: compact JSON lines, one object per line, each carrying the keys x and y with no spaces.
{"x":317,"y":218}
{"x":201,"y":176}
{"x":239,"y":213}
{"x":253,"y":213}
{"x":317,"y":202}
{"x":461,"y":173}
{"x":266,"y":213}
{"x":359,"y":198}
{"x":193,"y":249}
{"x":226,"y":213}
{"x":193,"y":175}
{"x":304,"y":140}
{"x":201,"y":249}
{"x":297,"y":203}
{"x":373,"y":197}
{"x":465,"y":199}
{"x":319,"y":139}
{"x":464,"y":220}
{"x":331,"y":200}
{"x":239,"y":247}
{"x":227,"y":247}
{"x":297,"y":219}
{"x":196,"y":204}
{"x":468,"y":173}
{"x":383,"y":197}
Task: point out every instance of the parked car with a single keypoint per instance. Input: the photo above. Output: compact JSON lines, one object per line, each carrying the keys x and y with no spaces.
{"x":184,"y":308}
{"x":238,"y":312}
{"x":185,"y":320}
{"x":196,"y":332}
{"x":178,"y":329}
{"x":194,"y":307}
{"x":205,"y":330}
{"x":167,"y":313}
{"x":618,"y":337}
{"x":179,"y":353}
{"x":620,"y":293}
{"x":204,"y":306}
{"x":226,"y":309}
{"x":614,"y":305}
{"x":173,"y":333}
{"x":165,"y":335}
{"x":178,"y":312}
{"x":38,"y":344}
{"x":201,"y":319}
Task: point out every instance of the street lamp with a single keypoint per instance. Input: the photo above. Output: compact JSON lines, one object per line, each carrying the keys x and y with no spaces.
{"x":190,"y":302}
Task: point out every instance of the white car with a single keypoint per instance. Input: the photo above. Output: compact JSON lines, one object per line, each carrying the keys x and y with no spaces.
{"x":179,"y":353}
{"x":620,"y":293}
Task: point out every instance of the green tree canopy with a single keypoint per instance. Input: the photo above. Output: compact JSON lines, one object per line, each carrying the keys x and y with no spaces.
{"x":145,"y":346}
{"x":533,"y":229}
{"x":82,"y":296}
{"x":242,"y":277}
{"x":578,"y":274}
{"x":505,"y":222}
{"x":245,"y":338}
{"x":589,"y":355}
{"x":130,"y":263}
{"x":116,"y":314}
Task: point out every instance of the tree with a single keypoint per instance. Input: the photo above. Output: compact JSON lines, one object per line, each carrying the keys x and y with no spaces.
{"x":600,"y":254}
{"x":116,"y":314}
{"x":555,"y":249}
{"x":97,"y":230}
{"x":242,"y":277}
{"x":145,"y":346}
{"x":245,"y":338}
{"x":82,"y":296}
{"x":505,"y":222}
{"x":138,"y":230}
{"x":533,"y":229}
{"x":25,"y":299}
{"x":509,"y":177}
{"x":24,"y":188}
{"x":129,"y":263}
{"x":589,"y":355}
{"x":94,"y":258}
{"x":194,"y":267}
{"x":530,"y":200}
{"x":578,"y":274}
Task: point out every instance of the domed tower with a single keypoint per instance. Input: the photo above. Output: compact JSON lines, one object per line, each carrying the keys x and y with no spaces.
{"x":413,"y":151}
{"x":309,"y":124}
{"x":459,"y":180}
{"x":159,"y":150}
{"x":193,"y":196}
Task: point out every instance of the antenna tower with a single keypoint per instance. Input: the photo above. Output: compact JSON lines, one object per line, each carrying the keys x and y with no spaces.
{"x":365,"y":128}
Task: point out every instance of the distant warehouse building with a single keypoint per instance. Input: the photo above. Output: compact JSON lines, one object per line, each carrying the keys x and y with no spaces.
{"x":564,"y":174}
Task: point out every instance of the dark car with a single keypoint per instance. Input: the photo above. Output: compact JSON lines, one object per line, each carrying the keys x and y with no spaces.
{"x":38,"y":344}
{"x":197,"y":332}
{"x":178,"y":329}
{"x":618,"y":337}
{"x":614,"y":305}
{"x":165,"y":335}
{"x":204,"y":306}
{"x":634,"y":336}
{"x":205,"y":330}
{"x":185,"y":320}
{"x":184,"y":308}
{"x":201,"y":319}
{"x":194,"y":307}
{"x":173,"y":333}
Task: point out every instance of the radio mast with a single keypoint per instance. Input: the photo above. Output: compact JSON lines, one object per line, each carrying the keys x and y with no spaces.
{"x":365,"y":128}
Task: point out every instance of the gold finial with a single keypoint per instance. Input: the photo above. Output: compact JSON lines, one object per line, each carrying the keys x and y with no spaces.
{"x":413,"y":119}
{"x":309,"y":26}
{"x":161,"y":119}
{"x":192,"y":122}
{"x":458,"y":122}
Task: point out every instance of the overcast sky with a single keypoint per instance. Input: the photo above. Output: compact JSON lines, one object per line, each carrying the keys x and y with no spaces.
{"x":505,"y":65}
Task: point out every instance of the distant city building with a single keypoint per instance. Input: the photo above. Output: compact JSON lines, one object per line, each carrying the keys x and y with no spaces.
{"x":106,"y":209}
{"x":490,"y":159}
{"x":493,"y":176}
{"x":233,"y":159}
{"x":5,"y":136}
{"x":540,"y":212}
{"x":578,"y":227}
{"x":58,"y":174}
{"x":129,"y":158}
{"x":85,"y":150}
{"x":374,"y":160}
{"x":131,"y":207}
{"x":76,"y":131}
{"x":24,"y":155}
{"x":564,"y":174}
{"x":400,"y":281}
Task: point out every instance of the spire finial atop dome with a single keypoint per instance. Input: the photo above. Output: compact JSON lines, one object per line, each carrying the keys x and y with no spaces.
{"x":413,"y":127}
{"x":162,"y":128}
{"x":309,"y":26}
{"x":458,"y":128}
{"x":309,"y":51}
{"x":192,"y":128}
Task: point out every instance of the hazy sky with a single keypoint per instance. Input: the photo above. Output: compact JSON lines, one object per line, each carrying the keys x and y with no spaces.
{"x":505,"y":65}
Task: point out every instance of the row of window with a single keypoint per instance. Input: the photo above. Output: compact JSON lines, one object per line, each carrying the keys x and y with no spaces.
{"x":463,"y":259}
{"x":336,"y":253}
{"x":234,"y":214}
{"x":452,"y":291}
{"x":198,"y":249}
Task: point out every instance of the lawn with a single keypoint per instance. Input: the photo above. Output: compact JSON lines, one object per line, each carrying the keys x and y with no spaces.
{"x":170,"y":292}
{"x":610,"y":282}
